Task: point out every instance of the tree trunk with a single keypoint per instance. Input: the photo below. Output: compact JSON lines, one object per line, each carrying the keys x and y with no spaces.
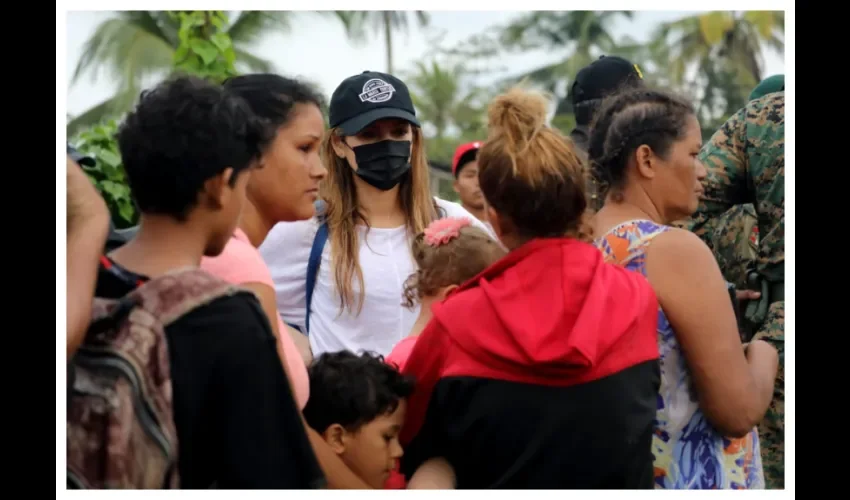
{"x":388,"y":34}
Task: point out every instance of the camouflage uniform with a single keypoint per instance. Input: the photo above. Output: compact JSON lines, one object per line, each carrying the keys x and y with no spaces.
{"x":746,"y":164}
{"x":733,"y":237}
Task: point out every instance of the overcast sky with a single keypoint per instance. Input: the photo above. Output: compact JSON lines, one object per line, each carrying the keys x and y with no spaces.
{"x":318,"y":50}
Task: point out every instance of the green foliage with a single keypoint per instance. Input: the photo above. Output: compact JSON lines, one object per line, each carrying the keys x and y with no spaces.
{"x":205,"y":49}
{"x":452,"y":86}
{"x":133,"y":46}
{"x":441,"y":149}
{"x":108,"y":174}
{"x":450,"y":103}
{"x":447,"y":192}
{"x":565,"y":123}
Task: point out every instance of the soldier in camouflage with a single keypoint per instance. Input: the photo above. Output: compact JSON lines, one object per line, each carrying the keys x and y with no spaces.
{"x":745,"y":160}
{"x":733,"y":236}
{"x":592,"y":85}
{"x":769,"y":85}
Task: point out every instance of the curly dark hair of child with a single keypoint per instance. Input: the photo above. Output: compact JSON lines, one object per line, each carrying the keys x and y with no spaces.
{"x":352,"y":390}
{"x":530,"y":174}
{"x":181,"y":133}
{"x":451,"y":263}
{"x":629,"y":119}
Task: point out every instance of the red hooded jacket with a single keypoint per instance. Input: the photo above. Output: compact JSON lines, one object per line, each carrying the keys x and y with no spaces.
{"x":548,"y":356}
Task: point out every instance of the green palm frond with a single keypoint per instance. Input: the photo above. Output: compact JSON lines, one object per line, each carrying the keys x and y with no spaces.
{"x":560,"y":30}
{"x":446,"y":98}
{"x":250,"y":63}
{"x":133,"y":47}
{"x":96,"y":114}
{"x":358,"y":23}
{"x":129,"y":47}
{"x":352,"y":24}
{"x":581,"y":35}
{"x":249,"y":26}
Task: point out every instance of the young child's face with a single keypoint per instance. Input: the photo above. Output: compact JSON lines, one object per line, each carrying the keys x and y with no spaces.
{"x":372,"y":450}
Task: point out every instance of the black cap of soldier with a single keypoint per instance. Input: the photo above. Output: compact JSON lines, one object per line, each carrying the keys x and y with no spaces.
{"x":604,"y":76}
{"x":80,"y":158}
{"x":370,"y":96}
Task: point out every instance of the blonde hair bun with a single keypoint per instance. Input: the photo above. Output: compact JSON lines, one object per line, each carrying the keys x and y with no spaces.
{"x":518,"y":114}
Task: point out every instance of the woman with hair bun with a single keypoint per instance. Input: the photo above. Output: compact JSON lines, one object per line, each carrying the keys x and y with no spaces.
{"x":542,"y":371}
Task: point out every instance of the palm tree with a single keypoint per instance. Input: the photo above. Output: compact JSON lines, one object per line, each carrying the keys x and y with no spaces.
{"x":736,"y":37}
{"x":442,"y":98}
{"x":581,"y":35}
{"x":726,"y":50}
{"x":386,"y":21}
{"x":134,"y":46}
{"x":446,"y":99}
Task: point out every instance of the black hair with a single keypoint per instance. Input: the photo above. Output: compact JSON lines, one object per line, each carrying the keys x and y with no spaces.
{"x":273,"y":97}
{"x":183,"y":132}
{"x":464,"y":160}
{"x":630,"y":119}
{"x":352,"y":390}
{"x":585,"y":110}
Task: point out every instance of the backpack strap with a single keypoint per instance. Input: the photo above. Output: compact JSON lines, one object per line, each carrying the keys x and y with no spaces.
{"x":315,"y":259}
{"x":105,"y":447}
{"x":167,"y":297}
{"x":174,"y":294}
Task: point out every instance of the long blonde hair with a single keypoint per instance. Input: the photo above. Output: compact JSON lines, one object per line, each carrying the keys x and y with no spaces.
{"x":342,"y":212}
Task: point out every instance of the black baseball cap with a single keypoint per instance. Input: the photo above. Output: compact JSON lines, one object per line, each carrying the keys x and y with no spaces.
{"x":80,"y":158}
{"x":370,"y":96}
{"x":603,"y":77}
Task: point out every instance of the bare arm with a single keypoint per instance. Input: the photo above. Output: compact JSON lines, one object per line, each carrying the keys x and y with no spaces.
{"x":88,"y":226}
{"x":301,"y":343}
{"x":267,"y":301}
{"x":734,"y":389}
{"x":266,"y":295}
{"x":338,"y":475}
{"x":434,"y":474}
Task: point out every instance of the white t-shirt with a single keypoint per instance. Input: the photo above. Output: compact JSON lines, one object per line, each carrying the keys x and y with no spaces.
{"x":386,"y":263}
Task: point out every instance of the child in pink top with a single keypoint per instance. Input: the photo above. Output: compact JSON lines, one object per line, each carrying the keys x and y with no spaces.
{"x":240,"y":263}
{"x":448,"y":253}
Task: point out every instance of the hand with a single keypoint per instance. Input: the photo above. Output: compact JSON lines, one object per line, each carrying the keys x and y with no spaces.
{"x":86,"y":210}
{"x":88,"y":224}
{"x":747,"y":294}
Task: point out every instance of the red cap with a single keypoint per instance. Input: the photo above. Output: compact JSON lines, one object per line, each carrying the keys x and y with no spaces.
{"x":462,"y":150}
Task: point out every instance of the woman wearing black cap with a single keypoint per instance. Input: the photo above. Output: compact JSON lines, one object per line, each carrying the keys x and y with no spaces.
{"x":376,"y":197}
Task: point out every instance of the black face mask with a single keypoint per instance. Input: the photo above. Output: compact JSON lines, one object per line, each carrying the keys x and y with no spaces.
{"x":383,"y":164}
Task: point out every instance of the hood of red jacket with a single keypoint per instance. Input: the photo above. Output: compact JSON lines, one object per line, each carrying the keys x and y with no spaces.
{"x":551,"y":308}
